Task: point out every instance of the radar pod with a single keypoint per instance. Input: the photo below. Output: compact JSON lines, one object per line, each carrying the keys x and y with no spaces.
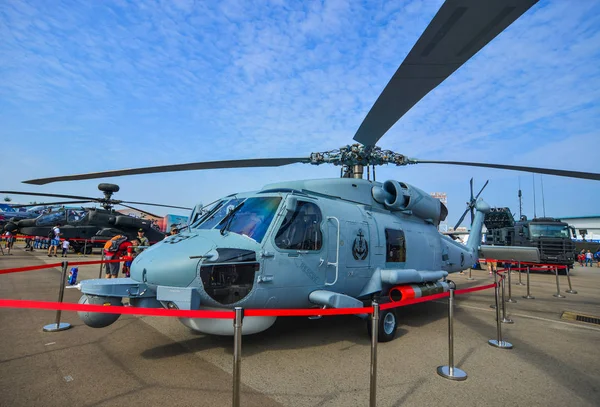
{"x":410,"y":291}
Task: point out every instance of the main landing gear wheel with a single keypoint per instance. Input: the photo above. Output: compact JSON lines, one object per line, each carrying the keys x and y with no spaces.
{"x":388,"y":323}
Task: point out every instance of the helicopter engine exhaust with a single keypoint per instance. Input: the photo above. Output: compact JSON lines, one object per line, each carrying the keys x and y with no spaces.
{"x":409,"y":291}
{"x":399,"y":196}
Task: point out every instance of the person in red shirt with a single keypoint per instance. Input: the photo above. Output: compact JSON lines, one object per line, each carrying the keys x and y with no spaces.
{"x":129,"y":256}
{"x":112,"y":269}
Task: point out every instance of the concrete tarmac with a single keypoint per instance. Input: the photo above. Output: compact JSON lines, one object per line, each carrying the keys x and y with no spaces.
{"x":301,"y":362}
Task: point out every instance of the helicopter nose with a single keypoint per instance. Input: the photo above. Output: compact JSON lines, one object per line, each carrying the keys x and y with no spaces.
{"x":26,"y":223}
{"x":172,"y":262}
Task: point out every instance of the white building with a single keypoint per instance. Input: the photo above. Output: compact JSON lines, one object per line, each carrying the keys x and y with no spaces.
{"x":588,"y":226}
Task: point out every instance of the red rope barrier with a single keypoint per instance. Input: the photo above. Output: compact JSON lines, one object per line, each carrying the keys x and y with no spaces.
{"x":53,"y":265}
{"x":306,"y":312}
{"x":28,"y":268}
{"x":225,"y":314}
{"x":473,"y":289}
{"x":113,"y":309}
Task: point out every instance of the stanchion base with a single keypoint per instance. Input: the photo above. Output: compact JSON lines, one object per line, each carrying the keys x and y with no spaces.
{"x":470,"y":278}
{"x":493,"y":306}
{"x":511,"y":300}
{"x":558,"y":296}
{"x":571,"y":291}
{"x":529,"y":297}
{"x":507,"y":321}
{"x":63,"y":326}
{"x":501,"y":344}
{"x":457,"y":375}
{"x":520,"y":284}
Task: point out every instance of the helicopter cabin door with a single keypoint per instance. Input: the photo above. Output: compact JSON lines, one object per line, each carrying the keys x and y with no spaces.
{"x":355,"y":255}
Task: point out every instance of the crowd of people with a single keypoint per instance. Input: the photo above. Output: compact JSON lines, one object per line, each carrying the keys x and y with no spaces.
{"x":121,"y":248}
{"x":586,"y":259}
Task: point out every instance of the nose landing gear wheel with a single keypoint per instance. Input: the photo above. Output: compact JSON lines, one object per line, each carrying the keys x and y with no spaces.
{"x":387,"y":325}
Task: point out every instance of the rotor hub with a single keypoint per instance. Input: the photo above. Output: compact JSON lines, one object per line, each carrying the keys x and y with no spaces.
{"x":358,"y":154}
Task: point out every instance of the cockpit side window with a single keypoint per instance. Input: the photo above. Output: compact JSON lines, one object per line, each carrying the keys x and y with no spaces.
{"x":300,"y":229}
{"x":395,"y":245}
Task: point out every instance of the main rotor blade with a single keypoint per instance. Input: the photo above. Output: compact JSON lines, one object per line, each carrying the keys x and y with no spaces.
{"x":50,"y":203}
{"x":140,"y":210}
{"x":153,"y":204}
{"x":248,"y":163}
{"x":457,"y":32}
{"x":88,"y":199}
{"x":561,"y":173}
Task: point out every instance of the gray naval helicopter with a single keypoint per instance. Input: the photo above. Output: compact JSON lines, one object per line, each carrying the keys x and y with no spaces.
{"x":325,"y":243}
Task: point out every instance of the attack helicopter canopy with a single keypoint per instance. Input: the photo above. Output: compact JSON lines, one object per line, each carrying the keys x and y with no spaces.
{"x":457,"y":32}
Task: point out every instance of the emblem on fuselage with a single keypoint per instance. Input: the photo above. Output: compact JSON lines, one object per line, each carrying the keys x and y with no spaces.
{"x":360,"y":247}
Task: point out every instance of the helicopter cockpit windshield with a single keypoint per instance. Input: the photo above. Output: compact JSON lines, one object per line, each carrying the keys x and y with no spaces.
{"x":74,"y":215}
{"x":252,"y":216}
{"x":52,"y":218}
{"x":63,"y":216}
{"x":216,"y":213}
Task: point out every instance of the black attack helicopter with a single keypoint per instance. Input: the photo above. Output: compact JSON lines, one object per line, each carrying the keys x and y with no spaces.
{"x":329,"y":242}
{"x":85,"y":226}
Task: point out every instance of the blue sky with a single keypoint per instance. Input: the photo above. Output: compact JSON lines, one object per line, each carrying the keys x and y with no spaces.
{"x":91,"y":86}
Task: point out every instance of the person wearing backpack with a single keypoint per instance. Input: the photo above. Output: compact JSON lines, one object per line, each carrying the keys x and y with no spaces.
{"x":54,"y":236}
{"x":114,"y":249}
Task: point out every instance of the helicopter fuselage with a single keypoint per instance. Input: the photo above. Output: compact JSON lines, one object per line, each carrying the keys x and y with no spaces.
{"x":294,"y":245}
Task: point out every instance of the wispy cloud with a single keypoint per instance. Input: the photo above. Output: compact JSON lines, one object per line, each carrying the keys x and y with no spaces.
{"x":90,"y":86}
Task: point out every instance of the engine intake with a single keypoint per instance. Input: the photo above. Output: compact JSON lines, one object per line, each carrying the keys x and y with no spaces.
{"x":398,"y":196}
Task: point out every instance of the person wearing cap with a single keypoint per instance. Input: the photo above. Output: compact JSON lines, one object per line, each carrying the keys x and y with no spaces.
{"x":143,"y":241}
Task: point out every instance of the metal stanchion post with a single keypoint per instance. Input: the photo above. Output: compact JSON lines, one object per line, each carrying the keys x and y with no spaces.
{"x":510,"y":286}
{"x":570,"y":290}
{"x":60,"y":326}
{"x":101,"y":264}
{"x":85,"y":248}
{"x":520,"y":282}
{"x":495,"y":282}
{"x":470,"y":277}
{"x":528,"y":296}
{"x":237,"y":354}
{"x":558,"y":294}
{"x":374,"y":338}
{"x":505,"y":320}
{"x":498,"y":342}
{"x":451,"y":372}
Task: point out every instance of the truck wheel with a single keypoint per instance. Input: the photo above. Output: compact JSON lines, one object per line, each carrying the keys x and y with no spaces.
{"x":388,"y":323}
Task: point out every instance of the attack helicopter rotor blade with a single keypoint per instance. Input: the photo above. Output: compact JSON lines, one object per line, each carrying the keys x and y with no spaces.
{"x":87,"y":198}
{"x":140,"y":210}
{"x":548,"y":171}
{"x":151,"y":204}
{"x":457,"y":32}
{"x":246,"y":163}
{"x":50,"y":203}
